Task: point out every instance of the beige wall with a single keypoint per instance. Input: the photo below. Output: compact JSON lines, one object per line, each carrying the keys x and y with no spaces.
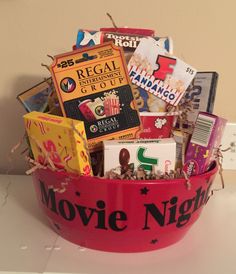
{"x":203,"y":32}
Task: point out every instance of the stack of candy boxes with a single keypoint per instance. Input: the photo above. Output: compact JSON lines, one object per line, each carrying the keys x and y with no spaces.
{"x":112,"y":108}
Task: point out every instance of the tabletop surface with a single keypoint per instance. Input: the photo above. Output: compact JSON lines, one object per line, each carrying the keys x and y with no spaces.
{"x":28,"y":245}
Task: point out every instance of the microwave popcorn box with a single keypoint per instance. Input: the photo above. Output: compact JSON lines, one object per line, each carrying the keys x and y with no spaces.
{"x":54,"y":136}
{"x":93,"y":85}
{"x":159,"y":73}
{"x":159,"y":154}
{"x":205,"y":140}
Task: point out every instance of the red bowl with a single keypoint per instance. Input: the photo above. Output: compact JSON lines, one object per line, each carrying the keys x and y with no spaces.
{"x":121,"y":216}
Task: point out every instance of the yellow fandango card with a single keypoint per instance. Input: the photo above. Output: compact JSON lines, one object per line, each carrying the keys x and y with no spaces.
{"x":59,"y":138}
{"x":93,"y":86}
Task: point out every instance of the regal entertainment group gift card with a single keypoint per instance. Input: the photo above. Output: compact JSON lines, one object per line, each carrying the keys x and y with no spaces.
{"x":93,"y":86}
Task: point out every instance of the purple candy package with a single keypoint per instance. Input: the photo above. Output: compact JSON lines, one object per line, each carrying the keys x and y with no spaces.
{"x":205,"y":140}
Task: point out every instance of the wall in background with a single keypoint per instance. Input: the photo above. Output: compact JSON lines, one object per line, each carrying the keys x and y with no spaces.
{"x":203,"y":32}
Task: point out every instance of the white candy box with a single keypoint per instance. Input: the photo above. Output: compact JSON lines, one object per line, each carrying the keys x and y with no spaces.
{"x":145,"y":153}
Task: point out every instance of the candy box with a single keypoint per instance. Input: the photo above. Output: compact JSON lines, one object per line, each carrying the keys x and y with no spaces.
{"x":62,"y":140}
{"x":128,"y":41}
{"x":93,"y":85}
{"x":205,"y":140}
{"x":165,"y":42}
{"x":157,"y":154}
{"x":157,"y":125}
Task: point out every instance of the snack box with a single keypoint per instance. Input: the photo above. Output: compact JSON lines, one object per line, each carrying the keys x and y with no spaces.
{"x":157,"y":125}
{"x":202,"y":93}
{"x":93,"y":85}
{"x":61,"y":139}
{"x":205,"y":140}
{"x":159,"y":73}
{"x":157,"y":154}
{"x":129,"y":38}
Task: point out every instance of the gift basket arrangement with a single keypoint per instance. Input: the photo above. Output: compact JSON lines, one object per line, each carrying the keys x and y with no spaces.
{"x":122,"y":142}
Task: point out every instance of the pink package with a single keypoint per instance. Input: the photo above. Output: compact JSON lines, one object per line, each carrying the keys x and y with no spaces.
{"x":205,"y":140}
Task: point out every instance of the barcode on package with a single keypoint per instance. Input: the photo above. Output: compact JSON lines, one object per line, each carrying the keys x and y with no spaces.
{"x":203,"y":130}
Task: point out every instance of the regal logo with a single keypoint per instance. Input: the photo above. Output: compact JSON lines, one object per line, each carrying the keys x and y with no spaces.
{"x":67,"y":85}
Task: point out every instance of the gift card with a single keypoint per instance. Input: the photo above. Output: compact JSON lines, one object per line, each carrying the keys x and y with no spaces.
{"x":93,"y":85}
{"x":159,"y":73}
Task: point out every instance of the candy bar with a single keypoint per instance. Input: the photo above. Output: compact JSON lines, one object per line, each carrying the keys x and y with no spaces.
{"x":61,"y":139}
{"x":159,"y":73}
{"x":158,"y":154}
{"x":205,"y":140}
{"x":93,"y":85}
{"x":128,"y":41}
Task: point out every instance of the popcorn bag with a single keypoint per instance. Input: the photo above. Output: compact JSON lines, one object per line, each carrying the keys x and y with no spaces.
{"x":109,"y":141}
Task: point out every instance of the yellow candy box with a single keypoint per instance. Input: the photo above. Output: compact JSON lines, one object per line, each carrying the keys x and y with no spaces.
{"x":59,"y":140}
